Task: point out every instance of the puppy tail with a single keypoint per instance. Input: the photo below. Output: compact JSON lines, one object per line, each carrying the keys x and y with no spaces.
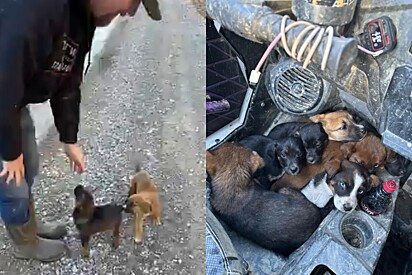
{"x":137,"y":167}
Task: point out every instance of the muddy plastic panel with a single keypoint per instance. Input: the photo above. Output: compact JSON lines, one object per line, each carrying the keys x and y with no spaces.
{"x":261,"y":260}
{"x":396,"y":119}
{"x":370,"y":77}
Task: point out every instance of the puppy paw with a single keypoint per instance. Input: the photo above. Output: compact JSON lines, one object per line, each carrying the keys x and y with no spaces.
{"x":157,"y":221}
{"x":138,"y":240}
{"x":286,"y":191}
{"x":290,"y":192}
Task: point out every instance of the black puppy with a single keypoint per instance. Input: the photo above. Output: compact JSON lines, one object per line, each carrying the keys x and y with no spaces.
{"x":313,"y":137}
{"x":395,"y":164}
{"x":90,"y":219}
{"x":280,"y":156}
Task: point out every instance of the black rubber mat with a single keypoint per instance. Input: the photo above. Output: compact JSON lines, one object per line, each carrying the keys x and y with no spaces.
{"x":224,"y":79}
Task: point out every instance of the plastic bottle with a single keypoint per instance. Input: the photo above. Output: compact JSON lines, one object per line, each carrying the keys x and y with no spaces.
{"x":378,"y":199}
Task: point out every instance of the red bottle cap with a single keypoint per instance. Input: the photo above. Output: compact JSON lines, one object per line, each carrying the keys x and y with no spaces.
{"x":389,"y":186}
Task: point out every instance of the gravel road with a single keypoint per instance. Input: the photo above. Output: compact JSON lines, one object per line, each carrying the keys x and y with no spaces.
{"x":145,"y":102}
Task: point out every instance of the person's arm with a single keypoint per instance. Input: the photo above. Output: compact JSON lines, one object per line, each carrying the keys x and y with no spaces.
{"x":65,"y":105}
{"x":12,"y":47}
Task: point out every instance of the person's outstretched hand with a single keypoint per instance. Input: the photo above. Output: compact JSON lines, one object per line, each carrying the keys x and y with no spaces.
{"x":14,"y":170}
{"x":76,"y":157}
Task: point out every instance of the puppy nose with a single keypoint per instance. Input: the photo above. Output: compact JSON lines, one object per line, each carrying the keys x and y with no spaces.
{"x":363,"y":130}
{"x":294,"y":169}
{"x":347,"y":207}
{"x":311,"y":159}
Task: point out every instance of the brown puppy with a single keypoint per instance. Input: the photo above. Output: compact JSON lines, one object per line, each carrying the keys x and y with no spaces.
{"x":340,"y":126}
{"x":240,"y":163}
{"x":369,"y":152}
{"x":143,"y":201}
{"x":372,"y":153}
{"x":90,"y":219}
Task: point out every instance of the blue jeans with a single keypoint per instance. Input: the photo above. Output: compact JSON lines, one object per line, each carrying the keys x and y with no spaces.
{"x":221,"y":256}
{"x":14,"y":201}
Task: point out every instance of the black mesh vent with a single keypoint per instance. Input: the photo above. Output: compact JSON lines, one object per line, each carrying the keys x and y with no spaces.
{"x":224,"y":79}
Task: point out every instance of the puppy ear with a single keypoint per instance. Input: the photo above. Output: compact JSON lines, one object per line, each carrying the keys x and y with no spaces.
{"x":347,"y":149}
{"x":256,"y":162}
{"x":389,"y":153}
{"x":320,"y":177}
{"x":146,"y":206}
{"x":211,"y":163}
{"x":347,"y":165}
{"x":142,"y":204}
{"x":332,"y":184}
{"x":317,"y":118}
{"x":88,"y":195}
{"x":332,"y":167}
{"x":133,"y":187}
{"x":374,"y":180}
{"x":78,"y":190}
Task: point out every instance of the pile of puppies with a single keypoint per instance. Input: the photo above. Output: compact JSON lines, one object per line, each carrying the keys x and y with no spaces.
{"x":143,"y":201}
{"x":270,"y":188}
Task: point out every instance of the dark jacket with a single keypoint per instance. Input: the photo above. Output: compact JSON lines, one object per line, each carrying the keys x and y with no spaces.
{"x":43,"y":45}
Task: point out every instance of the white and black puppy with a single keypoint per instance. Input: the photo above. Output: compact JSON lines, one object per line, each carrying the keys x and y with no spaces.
{"x":346,"y":187}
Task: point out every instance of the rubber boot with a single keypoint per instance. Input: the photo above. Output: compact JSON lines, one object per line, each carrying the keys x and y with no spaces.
{"x":30,"y":246}
{"x":47,"y":230}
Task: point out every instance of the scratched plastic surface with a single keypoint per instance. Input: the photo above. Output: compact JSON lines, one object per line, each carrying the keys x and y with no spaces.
{"x":397,"y":111}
